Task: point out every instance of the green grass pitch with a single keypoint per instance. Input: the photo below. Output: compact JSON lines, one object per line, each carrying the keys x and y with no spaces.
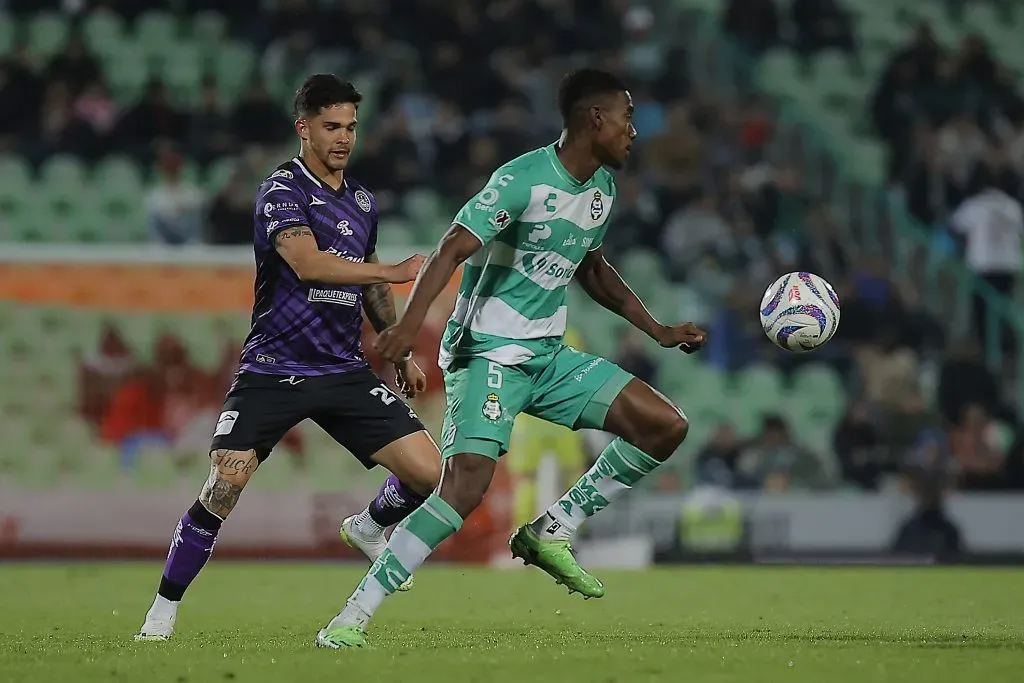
{"x":255,"y":622}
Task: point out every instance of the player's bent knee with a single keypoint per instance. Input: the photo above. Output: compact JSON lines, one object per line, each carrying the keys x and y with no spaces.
{"x":415,"y":460}
{"x":663,"y":437}
{"x":466,"y":479}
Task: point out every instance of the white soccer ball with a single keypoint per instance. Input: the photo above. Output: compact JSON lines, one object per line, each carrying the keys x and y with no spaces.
{"x":800,"y":312}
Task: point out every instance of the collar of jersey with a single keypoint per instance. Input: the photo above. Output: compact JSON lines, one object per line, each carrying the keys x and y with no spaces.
{"x":320,"y":183}
{"x":561,"y":170}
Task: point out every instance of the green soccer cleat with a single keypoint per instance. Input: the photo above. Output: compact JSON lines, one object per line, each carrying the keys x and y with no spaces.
{"x":556,"y":559}
{"x":342,"y":637}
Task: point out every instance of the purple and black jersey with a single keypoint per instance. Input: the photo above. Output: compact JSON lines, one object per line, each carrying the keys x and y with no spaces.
{"x":302,"y":328}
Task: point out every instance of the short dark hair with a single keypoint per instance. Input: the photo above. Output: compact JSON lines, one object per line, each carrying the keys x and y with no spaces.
{"x":324,"y":90}
{"x":580,"y":86}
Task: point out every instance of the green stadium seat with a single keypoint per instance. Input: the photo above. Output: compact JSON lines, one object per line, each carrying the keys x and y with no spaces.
{"x":46,"y":32}
{"x":234,"y":66}
{"x":218,"y":173}
{"x":155,"y":29}
{"x":126,"y":71}
{"x":118,"y":173}
{"x":63,"y":172}
{"x":209,"y":28}
{"x":183,"y":73}
{"x":103,"y":31}
{"x":8,"y":31}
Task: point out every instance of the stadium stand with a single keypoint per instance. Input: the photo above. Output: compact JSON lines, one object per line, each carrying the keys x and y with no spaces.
{"x":100,"y":110}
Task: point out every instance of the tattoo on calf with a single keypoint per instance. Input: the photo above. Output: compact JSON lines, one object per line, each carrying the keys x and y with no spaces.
{"x":220,"y":494}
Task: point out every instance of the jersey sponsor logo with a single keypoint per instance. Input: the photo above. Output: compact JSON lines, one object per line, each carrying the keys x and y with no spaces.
{"x":489,"y":197}
{"x":501,"y":219}
{"x":345,"y":255}
{"x":226,"y":422}
{"x":505,"y":179}
{"x":274,"y":185}
{"x":343,"y":228}
{"x":596,"y":206}
{"x":283,"y":173}
{"x":316,"y":201}
{"x":548,"y":270}
{"x":293,"y":380}
{"x":269,"y":208}
{"x":271,"y":226}
{"x":333,"y":296}
{"x":590,"y":366}
{"x":492,"y":408}
{"x":264,"y":358}
{"x":569,"y":241}
{"x":540,"y":233}
{"x":587,"y":241}
{"x":363,"y":200}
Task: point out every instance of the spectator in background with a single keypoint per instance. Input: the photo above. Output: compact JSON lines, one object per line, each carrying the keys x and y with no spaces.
{"x":230,"y":219}
{"x":858,"y":447}
{"x":258,"y":120}
{"x":774,"y":463}
{"x":821,"y":25}
{"x":95,"y":114}
{"x":964,"y":380}
{"x":753,"y":23}
{"x":210,"y":133}
{"x":20,"y":90}
{"x":694,"y":233}
{"x":992,"y":223}
{"x":634,"y":359}
{"x":716,"y":463}
{"x":152,"y":120}
{"x":101,"y":371}
{"x":174,"y":206}
{"x":928,"y":474}
{"x":976,"y":446}
{"x":73,"y":65}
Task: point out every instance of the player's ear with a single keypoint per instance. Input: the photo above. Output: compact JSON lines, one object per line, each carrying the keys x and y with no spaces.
{"x":596,"y":118}
{"x":302,"y":129}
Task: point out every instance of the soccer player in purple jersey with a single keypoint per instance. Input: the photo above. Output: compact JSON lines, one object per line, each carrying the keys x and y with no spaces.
{"x":316,"y":272}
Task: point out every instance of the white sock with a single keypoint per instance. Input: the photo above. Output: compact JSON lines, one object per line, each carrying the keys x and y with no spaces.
{"x":162,"y":607}
{"x":617,"y":469}
{"x":366,"y":526}
{"x":551,"y":528}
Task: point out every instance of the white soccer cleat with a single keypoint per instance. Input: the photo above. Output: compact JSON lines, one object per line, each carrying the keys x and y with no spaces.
{"x":154,"y":630}
{"x":371,"y":547}
{"x":159,"y":624}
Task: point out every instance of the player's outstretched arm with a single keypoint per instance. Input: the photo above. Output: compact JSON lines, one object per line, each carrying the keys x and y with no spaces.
{"x":603,"y":284}
{"x":299,"y":249}
{"x":457,"y":245}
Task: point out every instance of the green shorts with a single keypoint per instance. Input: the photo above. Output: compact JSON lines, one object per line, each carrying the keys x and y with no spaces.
{"x":568,"y":387}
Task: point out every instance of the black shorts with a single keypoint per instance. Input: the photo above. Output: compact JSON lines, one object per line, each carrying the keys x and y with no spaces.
{"x":355,"y":408}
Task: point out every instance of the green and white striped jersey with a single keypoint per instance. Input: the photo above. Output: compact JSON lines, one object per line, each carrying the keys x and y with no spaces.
{"x":536,"y":223}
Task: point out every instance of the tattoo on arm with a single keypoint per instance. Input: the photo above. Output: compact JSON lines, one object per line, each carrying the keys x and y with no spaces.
{"x":291,"y":233}
{"x":379,"y":303}
{"x":222,"y":489}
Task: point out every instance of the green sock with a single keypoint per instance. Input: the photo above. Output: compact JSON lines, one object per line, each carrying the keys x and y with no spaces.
{"x":618,"y":468}
{"x":410,"y":545}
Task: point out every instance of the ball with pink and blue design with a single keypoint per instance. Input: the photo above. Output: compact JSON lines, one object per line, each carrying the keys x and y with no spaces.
{"x":800,"y":312}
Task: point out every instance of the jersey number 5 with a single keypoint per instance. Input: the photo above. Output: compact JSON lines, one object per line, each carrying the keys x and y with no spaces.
{"x":493,"y":375}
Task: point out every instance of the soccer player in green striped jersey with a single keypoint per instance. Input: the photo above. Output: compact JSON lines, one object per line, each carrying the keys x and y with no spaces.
{"x":537,"y":225}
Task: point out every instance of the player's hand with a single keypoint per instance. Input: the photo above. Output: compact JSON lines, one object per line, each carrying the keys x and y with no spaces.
{"x":687,"y":337}
{"x":411,"y":378}
{"x":395,"y":343}
{"x":407,"y":270}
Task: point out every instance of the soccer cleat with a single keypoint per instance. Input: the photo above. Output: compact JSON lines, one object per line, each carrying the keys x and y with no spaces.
{"x":342,"y":637}
{"x":156,"y":629}
{"x":556,"y":559}
{"x":371,"y":547}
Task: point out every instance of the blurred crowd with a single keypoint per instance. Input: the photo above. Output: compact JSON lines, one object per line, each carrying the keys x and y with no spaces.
{"x":711,"y":191}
